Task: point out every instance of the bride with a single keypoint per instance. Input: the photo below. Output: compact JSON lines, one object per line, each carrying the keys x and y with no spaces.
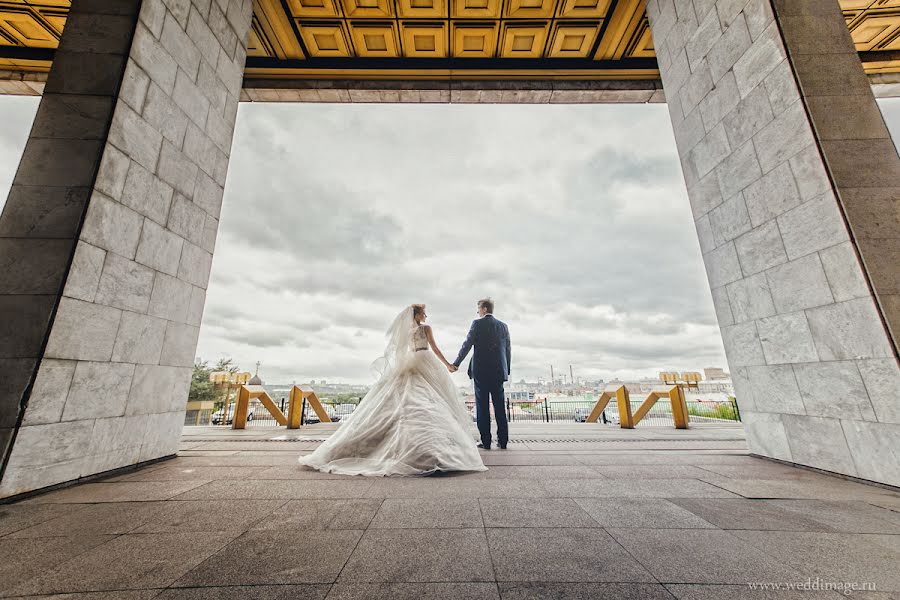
{"x":411,"y":422}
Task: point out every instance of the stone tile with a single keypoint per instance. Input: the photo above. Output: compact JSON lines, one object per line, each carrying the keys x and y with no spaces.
{"x":84,"y":273}
{"x":179,"y":345}
{"x":48,"y":396}
{"x":85,"y":73}
{"x":410,"y":513}
{"x":831,"y":556}
{"x":163,"y":114}
{"x":43,"y":211}
{"x":819,"y":441}
{"x":766,"y":470}
{"x":129,"y":562}
{"x":195,"y":308}
{"x":159,"y":248}
{"x":116,"y":595}
{"x":118,"y":492}
{"x":17,"y":517}
{"x":419,"y":555}
{"x":653,"y":488}
{"x":124,"y":284}
{"x":539,"y":472}
{"x":109,"y":518}
{"x":809,"y":173}
{"x":729,"y":48}
{"x":766,"y":436}
{"x":742,"y":345}
{"x":413,"y":591}
{"x":33,"y":266}
{"x":759,"y":60}
{"x":771,"y":196}
{"x":710,"y":151}
{"x":458,"y":486}
{"x":703,"y":39}
{"x":274,"y":490}
{"x":152,"y":391}
{"x":58,"y":163}
{"x":705,"y":195}
{"x":582,"y":591}
{"x":667,"y":458}
{"x":833,"y":389}
{"x":139,"y":339}
{"x":874,"y":450}
{"x":786,"y":339}
{"x":724,"y":313}
{"x":721,"y":100}
{"x":640,"y":512}
{"x":775,"y":389}
{"x":740,"y":513}
{"x":686,"y":591}
{"x":170,"y":299}
{"x":181,"y":516}
{"x":729,"y":220}
{"x":99,"y":389}
{"x":738,"y":170}
{"x":321,"y":514}
{"x":872,"y":211}
{"x":195,"y":265}
{"x":847,"y":517}
{"x":550,"y":512}
{"x":722,"y":265}
{"x":147,"y":194}
{"x":848,"y":330}
{"x":750,"y":116}
{"x":111,"y":226}
{"x":845,"y":275}
{"x":255,"y":592}
{"x":882,"y":381}
{"x":849,"y":170}
{"x":846,"y":117}
{"x":310,"y":557}
{"x":134,"y":86}
{"x":22,"y":559}
{"x":177,"y":170}
{"x":760,"y":249}
{"x":750,"y":298}
{"x":831,"y":488}
{"x":783,"y":138}
{"x":638,"y":472}
{"x":568,"y":555}
{"x":135,"y":137}
{"x":70,"y":116}
{"x":683,"y":556}
{"x":814,"y":225}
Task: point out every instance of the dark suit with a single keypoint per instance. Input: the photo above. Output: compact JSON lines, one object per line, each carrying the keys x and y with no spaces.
{"x":489,"y":368}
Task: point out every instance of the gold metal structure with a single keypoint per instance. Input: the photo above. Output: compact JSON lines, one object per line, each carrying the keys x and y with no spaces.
{"x":246,"y":393}
{"x":295,"y":407}
{"x":629,"y":419}
{"x":441,"y":39}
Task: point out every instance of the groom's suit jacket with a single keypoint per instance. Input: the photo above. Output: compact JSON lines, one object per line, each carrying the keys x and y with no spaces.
{"x":492,"y":357}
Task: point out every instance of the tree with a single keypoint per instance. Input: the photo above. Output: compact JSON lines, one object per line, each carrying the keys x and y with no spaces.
{"x":227,"y":365}
{"x":202,"y":388}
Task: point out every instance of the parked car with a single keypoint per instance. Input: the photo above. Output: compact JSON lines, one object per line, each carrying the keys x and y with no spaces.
{"x":217,"y":416}
{"x":581,"y":415}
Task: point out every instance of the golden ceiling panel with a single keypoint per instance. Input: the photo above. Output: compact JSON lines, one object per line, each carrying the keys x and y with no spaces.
{"x":624,"y":26}
{"x":21,"y":25}
{"x":530,"y":9}
{"x":424,"y":40}
{"x":572,"y":40}
{"x":422,"y":9}
{"x":314,"y":9}
{"x":473,"y":40}
{"x":371,"y":39}
{"x":475,"y":9}
{"x":325,"y":39}
{"x":368,"y":9}
{"x":583,"y":9}
{"x":523,"y":39}
{"x":271,"y":32}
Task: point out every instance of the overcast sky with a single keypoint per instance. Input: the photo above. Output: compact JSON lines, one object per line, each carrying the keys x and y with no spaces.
{"x":573,"y":218}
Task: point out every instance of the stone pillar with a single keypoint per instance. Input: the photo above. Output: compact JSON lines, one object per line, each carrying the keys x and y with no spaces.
{"x":789,"y":186}
{"x":106,"y":239}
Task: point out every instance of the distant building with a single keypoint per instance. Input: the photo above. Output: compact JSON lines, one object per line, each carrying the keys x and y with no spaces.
{"x":715,"y":373}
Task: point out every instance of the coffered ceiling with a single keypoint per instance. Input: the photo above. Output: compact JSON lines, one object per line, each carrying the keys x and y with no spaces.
{"x":442,"y":39}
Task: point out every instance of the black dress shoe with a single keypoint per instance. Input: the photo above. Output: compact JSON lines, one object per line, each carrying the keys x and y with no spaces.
{"x":503,"y":446}
{"x":483,"y":447}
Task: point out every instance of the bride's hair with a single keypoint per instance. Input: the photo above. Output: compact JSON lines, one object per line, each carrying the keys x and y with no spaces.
{"x":418,"y":309}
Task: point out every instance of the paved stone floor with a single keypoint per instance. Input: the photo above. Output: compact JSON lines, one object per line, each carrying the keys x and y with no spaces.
{"x":569,"y":511}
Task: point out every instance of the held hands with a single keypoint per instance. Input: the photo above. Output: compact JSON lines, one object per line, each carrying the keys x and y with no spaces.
{"x":452,"y":368}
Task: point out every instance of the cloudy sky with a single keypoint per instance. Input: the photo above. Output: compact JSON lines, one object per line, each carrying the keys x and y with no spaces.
{"x":573,"y":218}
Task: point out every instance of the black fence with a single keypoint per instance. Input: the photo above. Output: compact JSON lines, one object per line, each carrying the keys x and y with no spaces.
{"x":700,"y":411}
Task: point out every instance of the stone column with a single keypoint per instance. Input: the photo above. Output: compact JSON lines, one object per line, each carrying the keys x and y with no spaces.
{"x":790,"y":186}
{"x":107,"y":236}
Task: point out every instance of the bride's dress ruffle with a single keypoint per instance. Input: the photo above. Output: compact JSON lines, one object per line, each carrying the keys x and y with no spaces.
{"x":410,"y":423}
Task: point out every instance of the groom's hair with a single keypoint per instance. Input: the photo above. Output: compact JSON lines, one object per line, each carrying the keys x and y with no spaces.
{"x":487,"y":304}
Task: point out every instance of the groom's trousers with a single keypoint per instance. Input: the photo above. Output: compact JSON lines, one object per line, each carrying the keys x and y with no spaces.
{"x":489,"y":393}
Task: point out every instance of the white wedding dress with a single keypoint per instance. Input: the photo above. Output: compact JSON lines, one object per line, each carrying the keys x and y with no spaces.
{"x":410,"y":423}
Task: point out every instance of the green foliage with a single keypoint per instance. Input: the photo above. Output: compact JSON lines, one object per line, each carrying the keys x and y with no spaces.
{"x":202,"y":388}
{"x":719,"y":410}
{"x":227,"y":365}
{"x":342,"y":398}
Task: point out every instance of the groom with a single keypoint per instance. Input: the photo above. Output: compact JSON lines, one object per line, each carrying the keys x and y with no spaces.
{"x":489,"y":368}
